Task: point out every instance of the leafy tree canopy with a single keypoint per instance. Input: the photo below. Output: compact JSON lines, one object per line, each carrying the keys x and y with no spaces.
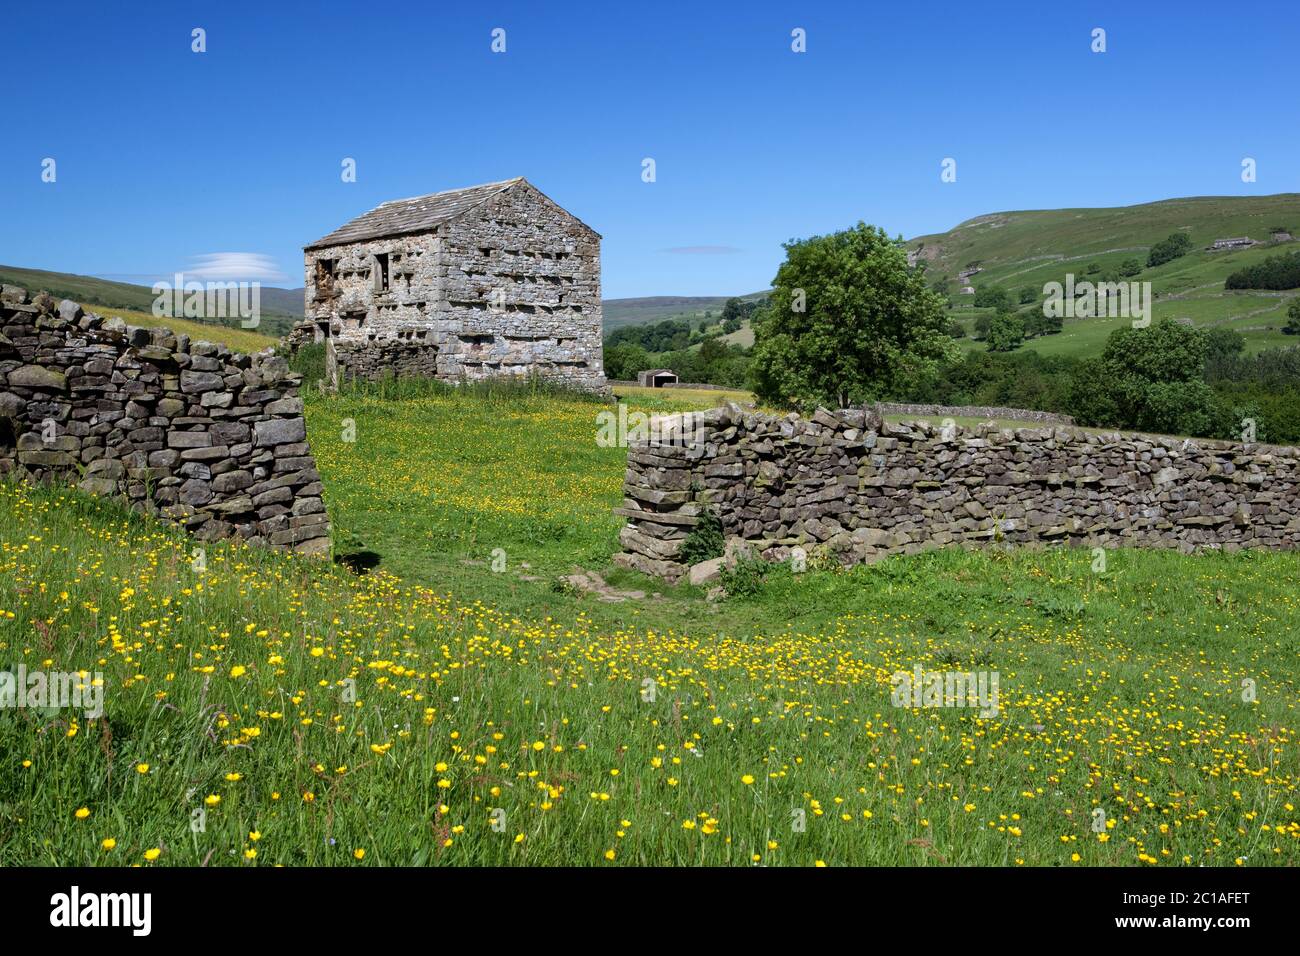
{"x":848,"y":322}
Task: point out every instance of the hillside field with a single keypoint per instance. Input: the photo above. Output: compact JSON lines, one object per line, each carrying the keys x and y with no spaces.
{"x":454,"y":703}
{"x":1027,"y":249}
{"x":280,"y":308}
{"x":617,"y":313}
{"x":234,"y":337}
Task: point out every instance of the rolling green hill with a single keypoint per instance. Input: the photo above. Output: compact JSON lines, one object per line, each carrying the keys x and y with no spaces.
{"x":1011,"y":245}
{"x":280,"y":307}
{"x":659,"y":308}
{"x":1026,"y":249}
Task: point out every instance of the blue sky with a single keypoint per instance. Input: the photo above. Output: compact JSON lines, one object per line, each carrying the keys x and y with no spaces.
{"x":173,"y":160}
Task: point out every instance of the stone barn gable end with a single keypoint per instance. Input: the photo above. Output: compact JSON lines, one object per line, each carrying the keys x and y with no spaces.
{"x":461,"y":285}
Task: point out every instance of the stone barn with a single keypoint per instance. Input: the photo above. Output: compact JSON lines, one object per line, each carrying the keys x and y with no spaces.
{"x":460,"y":285}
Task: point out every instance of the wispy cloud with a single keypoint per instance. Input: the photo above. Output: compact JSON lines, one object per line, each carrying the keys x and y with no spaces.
{"x":235,"y":266}
{"x":702,"y":250}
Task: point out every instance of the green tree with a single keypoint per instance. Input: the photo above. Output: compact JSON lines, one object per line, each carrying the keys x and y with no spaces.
{"x":1036,"y":323}
{"x":1088,"y":396}
{"x":1168,"y":249}
{"x":1223,"y":343}
{"x":1130,"y":267}
{"x":1275,"y":272}
{"x":1292,"y":326}
{"x":991,"y":297}
{"x":708,"y":358}
{"x":848,"y":322}
{"x":623,"y":360}
{"x":1148,"y":379}
{"x":1006,"y":332}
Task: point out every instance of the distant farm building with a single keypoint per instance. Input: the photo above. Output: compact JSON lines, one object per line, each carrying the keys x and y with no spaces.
{"x":1241,"y":242}
{"x":1282,"y":236}
{"x":466,"y":284}
{"x":656,"y":377}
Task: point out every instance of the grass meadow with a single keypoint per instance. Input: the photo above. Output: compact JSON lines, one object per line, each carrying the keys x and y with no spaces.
{"x":446,"y":708}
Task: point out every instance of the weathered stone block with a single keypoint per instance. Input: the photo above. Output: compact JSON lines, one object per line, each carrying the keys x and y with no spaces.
{"x":37,"y":376}
{"x":279,"y":431}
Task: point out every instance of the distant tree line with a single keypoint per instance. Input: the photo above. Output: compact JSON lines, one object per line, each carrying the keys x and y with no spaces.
{"x":1167,"y":378}
{"x":1006,"y":330}
{"x":736,"y":311}
{"x":697,"y":355}
{"x":1275,"y":272}
{"x":714,"y":363}
{"x":656,"y":337}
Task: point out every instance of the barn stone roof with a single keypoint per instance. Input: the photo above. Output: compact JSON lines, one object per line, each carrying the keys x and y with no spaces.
{"x":399,"y":217}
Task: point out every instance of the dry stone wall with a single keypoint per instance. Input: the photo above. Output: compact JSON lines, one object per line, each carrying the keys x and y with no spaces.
{"x":212,"y":439}
{"x":854,"y":487}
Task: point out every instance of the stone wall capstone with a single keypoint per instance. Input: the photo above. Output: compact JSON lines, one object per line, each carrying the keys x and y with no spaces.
{"x":857,"y":488}
{"x":974,"y":411}
{"x":211,"y":439}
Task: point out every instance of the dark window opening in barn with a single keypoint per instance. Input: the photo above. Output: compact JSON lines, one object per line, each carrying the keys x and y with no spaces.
{"x":326,"y":272}
{"x":381,"y":272}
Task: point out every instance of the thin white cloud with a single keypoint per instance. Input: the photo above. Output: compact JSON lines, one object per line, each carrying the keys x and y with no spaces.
{"x":235,"y":266}
{"x":702,"y":250}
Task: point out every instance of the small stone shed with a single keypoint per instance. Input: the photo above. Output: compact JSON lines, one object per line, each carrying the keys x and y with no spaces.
{"x":656,"y":377}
